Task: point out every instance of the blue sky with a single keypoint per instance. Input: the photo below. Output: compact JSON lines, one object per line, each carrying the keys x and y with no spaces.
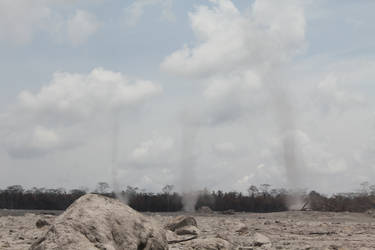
{"x":227,"y":93}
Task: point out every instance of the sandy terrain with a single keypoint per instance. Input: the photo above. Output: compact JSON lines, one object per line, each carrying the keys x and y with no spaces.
{"x":286,"y":230}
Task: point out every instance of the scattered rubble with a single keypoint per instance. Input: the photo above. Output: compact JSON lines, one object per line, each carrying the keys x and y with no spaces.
{"x":241,"y":231}
{"x":208,"y":244}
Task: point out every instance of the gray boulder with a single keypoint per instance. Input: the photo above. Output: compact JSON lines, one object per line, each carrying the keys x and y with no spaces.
{"x":181,"y":221}
{"x":98,"y":222}
{"x":41,"y":223}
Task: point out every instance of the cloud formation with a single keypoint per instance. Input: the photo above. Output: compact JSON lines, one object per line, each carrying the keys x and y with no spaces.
{"x":81,"y":26}
{"x":135,"y":11}
{"x":238,"y":55}
{"x":229,"y":40}
{"x":152,"y":152}
{"x":245,"y":62}
{"x":21,"y":20}
{"x":58,"y":114}
{"x":245,"y":84}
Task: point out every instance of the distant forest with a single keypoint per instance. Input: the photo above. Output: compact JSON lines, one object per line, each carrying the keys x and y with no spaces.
{"x":258,"y":199}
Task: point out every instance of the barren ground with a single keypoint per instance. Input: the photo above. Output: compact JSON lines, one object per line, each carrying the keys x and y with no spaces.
{"x":286,"y":230}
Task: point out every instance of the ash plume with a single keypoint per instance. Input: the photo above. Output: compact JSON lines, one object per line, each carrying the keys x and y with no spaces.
{"x":188,"y":161}
{"x":285,"y":117}
{"x":114,"y":157}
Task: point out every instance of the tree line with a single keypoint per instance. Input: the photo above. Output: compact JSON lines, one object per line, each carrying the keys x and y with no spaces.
{"x":257,"y":199}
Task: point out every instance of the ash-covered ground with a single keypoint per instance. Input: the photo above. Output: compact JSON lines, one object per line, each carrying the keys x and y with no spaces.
{"x":285,"y":230}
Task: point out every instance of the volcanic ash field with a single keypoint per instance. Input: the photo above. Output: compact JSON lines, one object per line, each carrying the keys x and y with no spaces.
{"x":95,"y":222}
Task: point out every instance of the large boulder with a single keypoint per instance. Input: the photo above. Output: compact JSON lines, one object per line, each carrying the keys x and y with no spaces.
{"x":98,"y":222}
{"x":183,"y":225}
{"x":181,"y":221}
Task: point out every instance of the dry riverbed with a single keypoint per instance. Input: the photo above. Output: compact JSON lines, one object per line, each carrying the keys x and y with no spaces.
{"x":285,"y":230}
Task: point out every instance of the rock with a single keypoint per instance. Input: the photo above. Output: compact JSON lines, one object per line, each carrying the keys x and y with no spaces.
{"x":98,"y":222}
{"x":371,"y":212}
{"x":242,"y":230}
{"x":171,"y":236}
{"x":187,"y":230}
{"x":261,"y":240}
{"x":205,"y":210}
{"x":41,"y":223}
{"x":181,"y":221}
{"x":336,"y":247}
{"x":208,"y":244}
{"x":175,"y":239}
{"x":228,"y":212}
{"x":6,"y":244}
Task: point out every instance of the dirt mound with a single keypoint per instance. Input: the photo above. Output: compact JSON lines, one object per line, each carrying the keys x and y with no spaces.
{"x":98,"y":222}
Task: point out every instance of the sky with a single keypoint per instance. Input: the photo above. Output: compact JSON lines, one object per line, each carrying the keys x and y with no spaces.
{"x":213,"y":94}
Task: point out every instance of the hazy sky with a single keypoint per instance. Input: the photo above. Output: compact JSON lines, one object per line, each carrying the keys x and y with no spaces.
{"x":217,"y":93}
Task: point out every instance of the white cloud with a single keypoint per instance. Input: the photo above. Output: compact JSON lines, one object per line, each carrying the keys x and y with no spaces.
{"x":79,"y":96}
{"x":20,"y":19}
{"x":135,"y":11}
{"x":81,"y":26}
{"x":335,"y":97}
{"x":220,"y":87}
{"x":152,"y":152}
{"x":33,"y":142}
{"x":229,"y":40}
{"x":225,"y":149}
{"x":59,"y":115}
{"x":237,"y":54}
